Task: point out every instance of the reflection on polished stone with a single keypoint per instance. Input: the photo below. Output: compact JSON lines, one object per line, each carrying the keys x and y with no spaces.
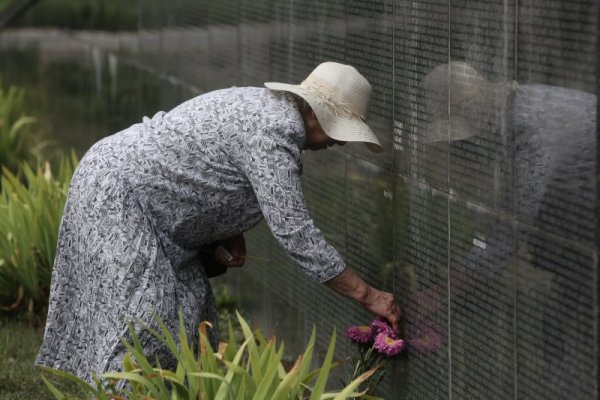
{"x":480,"y":213}
{"x":369,"y":232}
{"x":420,"y":44}
{"x":369,"y":27}
{"x":482,"y":287}
{"x":421,"y":282}
{"x":555,"y":317}
{"x":557,"y":43}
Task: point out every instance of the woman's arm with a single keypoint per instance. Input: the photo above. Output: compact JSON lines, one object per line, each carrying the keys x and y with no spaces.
{"x":348,"y":284}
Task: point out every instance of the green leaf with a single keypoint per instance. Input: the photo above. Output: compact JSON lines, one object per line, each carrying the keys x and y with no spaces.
{"x":128,"y":365}
{"x":348,"y":391}
{"x":166,"y":337}
{"x":132,"y":377}
{"x":55,"y":392}
{"x":241,"y":391}
{"x":136,"y":349}
{"x":234,"y":368}
{"x":208,"y":363}
{"x":252,"y":349}
{"x":213,"y":393}
{"x":232,"y":346}
{"x":283,"y":389}
{"x":83,"y":385}
{"x":181,"y":389}
{"x":187,"y":359}
{"x":272,"y":363}
{"x":305,"y":366}
{"x":325,"y":370}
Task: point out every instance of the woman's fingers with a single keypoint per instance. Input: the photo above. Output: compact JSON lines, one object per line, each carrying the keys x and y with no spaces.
{"x":394,"y":314}
{"x":385,"y":305}
{"x":232,"y":252}
{"x":235,"y":245}
{"x":226,"y":259}
{"x":236,"y":262}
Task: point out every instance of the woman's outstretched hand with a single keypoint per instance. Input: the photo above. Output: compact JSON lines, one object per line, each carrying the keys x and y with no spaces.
{"x":383,"y":304}
{"x":376,"y":301}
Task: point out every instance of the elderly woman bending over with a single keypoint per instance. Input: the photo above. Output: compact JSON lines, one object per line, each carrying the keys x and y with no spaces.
{"x":145,"y":204}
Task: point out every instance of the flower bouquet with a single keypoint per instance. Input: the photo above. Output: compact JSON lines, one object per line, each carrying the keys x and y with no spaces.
{"x":375,"y":344}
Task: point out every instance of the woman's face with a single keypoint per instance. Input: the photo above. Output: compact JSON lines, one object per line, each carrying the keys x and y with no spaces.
{"x":316,"y":138}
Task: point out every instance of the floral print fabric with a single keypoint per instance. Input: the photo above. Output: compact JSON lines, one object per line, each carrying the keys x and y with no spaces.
{"x":143,"y":201}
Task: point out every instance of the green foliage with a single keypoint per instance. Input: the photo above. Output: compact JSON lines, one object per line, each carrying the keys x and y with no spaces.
{"x":224,"y":300}
{"x":16,"y":144}
{"x":3,"y":4}
{"x":30,"y":214}
{"x":251,"y":370}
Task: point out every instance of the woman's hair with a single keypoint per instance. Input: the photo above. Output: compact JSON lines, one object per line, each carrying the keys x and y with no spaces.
{"x":302,"y":104}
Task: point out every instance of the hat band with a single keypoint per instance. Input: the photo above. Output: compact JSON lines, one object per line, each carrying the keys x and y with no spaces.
{"x":324,"y":92}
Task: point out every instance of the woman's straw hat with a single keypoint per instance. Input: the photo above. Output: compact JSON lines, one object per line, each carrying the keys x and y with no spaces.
{"x":456,"y":96}
{"x":339,"y":95}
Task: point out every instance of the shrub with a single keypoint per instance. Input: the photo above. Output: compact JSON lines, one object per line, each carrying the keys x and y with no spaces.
{"x":30,"y":214}
{"x":16,"y":143}
{"x":250,"y":370}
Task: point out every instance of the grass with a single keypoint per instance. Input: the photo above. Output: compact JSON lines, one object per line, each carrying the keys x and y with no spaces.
{"x":19,"y":343}
{"x":20,"y":340}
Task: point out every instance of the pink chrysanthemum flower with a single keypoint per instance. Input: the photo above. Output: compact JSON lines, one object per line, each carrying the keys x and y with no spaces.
{"x":360,"y":334}
{"x":388,"y":346}
{"x":380,"y":325}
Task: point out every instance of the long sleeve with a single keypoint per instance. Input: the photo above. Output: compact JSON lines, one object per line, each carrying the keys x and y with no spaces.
{"x":272,"y":164}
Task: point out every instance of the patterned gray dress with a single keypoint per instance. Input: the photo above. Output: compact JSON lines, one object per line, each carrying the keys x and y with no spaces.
{"x":144,"y":200}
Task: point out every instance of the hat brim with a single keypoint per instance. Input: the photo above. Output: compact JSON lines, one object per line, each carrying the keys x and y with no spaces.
{"x":448,"y":130}
{"x":344,"y":128}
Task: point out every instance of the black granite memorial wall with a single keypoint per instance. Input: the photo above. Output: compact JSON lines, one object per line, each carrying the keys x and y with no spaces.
{"x":480,"y":214}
